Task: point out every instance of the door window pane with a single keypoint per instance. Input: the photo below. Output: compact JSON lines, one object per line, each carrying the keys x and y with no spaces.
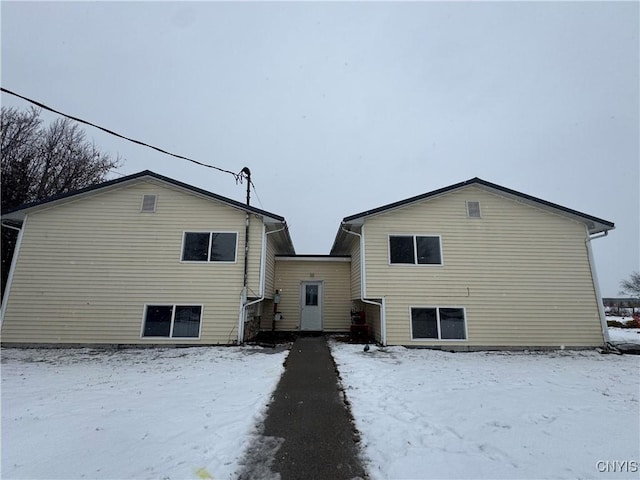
{"x":223,"y":247}
{"x":401,"y":249}
{"x":311,"y":295}
{"x":428,"y":250}
{"x":424,"y":323}
{"x":187,"y":321}
{"x":452,"y":323}
{"x":158,"y":321}
{"x":196,"y":246}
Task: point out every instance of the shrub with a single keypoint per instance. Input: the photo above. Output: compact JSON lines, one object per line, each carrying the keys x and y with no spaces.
{"x":633,"y":323}
{"x":615,"y":323}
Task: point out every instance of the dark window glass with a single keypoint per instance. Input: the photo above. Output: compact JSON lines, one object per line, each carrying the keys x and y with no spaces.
{"x":428,"y":250}
{"x":473,"y":209}
{"x":452,"y":323}
{"x":223,"y":247}
{"x":424,"y":323}
{"x":311,"y":294}
{"x":196,"y":246}
{"x":149,"y":203}
{"x":187,"y":321}
{"x":401,"y":249}
{"x":158,"y":321}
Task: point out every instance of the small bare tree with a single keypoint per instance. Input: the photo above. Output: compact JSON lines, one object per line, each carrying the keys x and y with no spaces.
{"x":41,"y":161}
{"x":631,"y":286}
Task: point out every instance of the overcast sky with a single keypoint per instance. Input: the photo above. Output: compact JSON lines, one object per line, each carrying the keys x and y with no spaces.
{"x":341,"y":107}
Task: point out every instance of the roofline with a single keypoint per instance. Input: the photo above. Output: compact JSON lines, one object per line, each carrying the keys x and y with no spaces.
{"x":477,"y":181}
{"x":287,"y":236}
{"x":320,"y":255}
{"x":313,"y":258}
{"x":147,"y":173}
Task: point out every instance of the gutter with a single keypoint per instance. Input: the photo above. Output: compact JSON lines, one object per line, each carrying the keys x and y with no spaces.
{"x":596,"y":285}
{"x":12,"y":268}
{"x":363,"y":287}
{"x":263,"y":271}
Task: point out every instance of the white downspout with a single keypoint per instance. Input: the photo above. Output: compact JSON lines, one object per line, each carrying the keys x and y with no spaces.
{"x":383,"y":321}
{"x":363,"y":288}
{"x":596,"y":285}
{"x":243,"y":300}
{"x":263,"y":270}
{"x":12,"y":268}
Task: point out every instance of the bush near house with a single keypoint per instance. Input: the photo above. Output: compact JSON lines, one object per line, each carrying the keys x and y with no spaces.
{"x":633,"y":323}
{"x":615,"y":323}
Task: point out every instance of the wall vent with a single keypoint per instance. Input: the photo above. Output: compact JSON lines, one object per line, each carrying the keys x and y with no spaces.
{"x":473,"y":209}
{"x":149,"y":203}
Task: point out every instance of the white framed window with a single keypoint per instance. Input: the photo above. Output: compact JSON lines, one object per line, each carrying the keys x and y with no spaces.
{"x":438,"y":323}
{"x":415,"y":250}
{"x":149,"y":203}
{"x":473,"y":209}
{"x":171,"y":321}
{"x":209,"y":246}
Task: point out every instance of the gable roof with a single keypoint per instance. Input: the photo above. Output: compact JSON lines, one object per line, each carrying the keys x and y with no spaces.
{"x":594,"y":224}
{"x":17,"y":214}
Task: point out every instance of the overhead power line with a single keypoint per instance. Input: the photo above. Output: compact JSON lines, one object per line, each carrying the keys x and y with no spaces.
{"x":237,"y":176}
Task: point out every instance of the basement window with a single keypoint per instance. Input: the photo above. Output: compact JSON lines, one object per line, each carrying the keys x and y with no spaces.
{"x":149,"y":203}
{"x":172,"y":321}
{"x":473,"y":209}
{"x":209,"y":246}
{"x":438,"y":323}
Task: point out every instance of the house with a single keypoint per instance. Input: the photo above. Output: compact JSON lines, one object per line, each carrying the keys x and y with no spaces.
{"x":619,"y":305}
{"x":146,"y":259}
{"x":314,"y":294}
{"x":476,"y":265}
{"x":142,"y":259}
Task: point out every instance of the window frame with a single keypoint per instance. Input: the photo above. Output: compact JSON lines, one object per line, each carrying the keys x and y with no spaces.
{"x":437,"y":309}
{"x":415,"y":250}
{"x":467,"y":202}
{"x":208,"y":260}
{"x":173,"y":316}
{"x":155,"y":203}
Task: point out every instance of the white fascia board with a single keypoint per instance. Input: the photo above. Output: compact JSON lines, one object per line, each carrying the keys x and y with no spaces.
{"x":311,"y":258}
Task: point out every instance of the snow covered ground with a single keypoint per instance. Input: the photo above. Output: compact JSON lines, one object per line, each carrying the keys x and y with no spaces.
{"x":431,"y":414}
{"x":624,"y":335}
{"x":153,"y":413}
{"x":189,"y":413}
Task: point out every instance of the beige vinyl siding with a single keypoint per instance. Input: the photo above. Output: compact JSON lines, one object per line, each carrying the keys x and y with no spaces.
{"x":356,"y":273}
{"x":336,"y":306}
{"x":88,"y":267}
{"x":521,"y":272}
{"x":255,"y":253}
{"x":270,"y":268}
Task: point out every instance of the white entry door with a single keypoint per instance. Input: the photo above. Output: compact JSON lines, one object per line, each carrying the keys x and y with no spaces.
{"x":311,"y":303}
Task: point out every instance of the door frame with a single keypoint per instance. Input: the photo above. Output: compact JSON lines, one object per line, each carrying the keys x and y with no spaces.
{"x":320,"y":284}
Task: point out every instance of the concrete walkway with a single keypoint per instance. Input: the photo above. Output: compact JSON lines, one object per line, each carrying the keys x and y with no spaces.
{"x":308,"y":431}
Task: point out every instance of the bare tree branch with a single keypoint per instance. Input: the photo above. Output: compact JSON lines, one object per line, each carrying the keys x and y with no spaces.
{"x":631,"y":286}
{"x":41,"y":161}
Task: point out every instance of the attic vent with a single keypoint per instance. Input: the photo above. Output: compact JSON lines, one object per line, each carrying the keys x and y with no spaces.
{"x":473,"y":209}
{"x":149,"y":203}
